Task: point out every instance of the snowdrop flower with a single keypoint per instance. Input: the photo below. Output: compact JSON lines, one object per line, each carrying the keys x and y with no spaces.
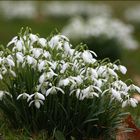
{"x":37,"y":52}
{"x":23,"y":95}
{"x":87,"y":57}
{"x":53,"y":90}
{"x":41,"y":65}
{"x":20,"y":57}
{"x":50,"y":74}
{"x":112,"y":72}
{"x":123,"y":69}
{"x":30,"y":60}
{"x":64,"y":82}
{"x":64,"y":67}
{"x":54,"y":41}
{"x":10,"y":62}
{"x":38,"y":99}
{"x":42,"y":41}
{"x":33,"y":38}
{"x":116,"y":94}
{"x":19,"y":45}
{"x":133,"y":102}
{"x":42,"y":78}
{"x":46,"y":54}
{"x":134,"y":87}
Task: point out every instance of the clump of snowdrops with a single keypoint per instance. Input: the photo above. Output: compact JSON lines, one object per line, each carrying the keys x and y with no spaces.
{"x":48,"y":84}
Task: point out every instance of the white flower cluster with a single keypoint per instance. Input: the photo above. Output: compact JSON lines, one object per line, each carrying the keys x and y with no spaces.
{"x":99,"y":27}
{"x":62,"y":70}
{"x":72,"y":8}
{"x":133,"y":14}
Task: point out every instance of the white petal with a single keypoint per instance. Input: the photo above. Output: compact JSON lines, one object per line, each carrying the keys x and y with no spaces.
{"x":116,"y":94}
{"x":19,"y":57}
{"x":95,"y":94}
{"x":112,"y":72}
{"x":124,"y":104}
{"x":41,"y":65}
{"x":123,"y":69}
{"x":42,"y":41}
{"x":48,"y":92}
{"x":13,"y":73}
{"x":37,"y":104}
{"x":133,"y":102}
{"x":42,"y":78}
{"x":60,"y":90}
{"x":33,"y":38}
{"x":40,"y":96}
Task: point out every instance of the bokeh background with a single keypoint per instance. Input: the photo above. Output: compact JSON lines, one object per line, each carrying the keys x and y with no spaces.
{"x":110,"y":28}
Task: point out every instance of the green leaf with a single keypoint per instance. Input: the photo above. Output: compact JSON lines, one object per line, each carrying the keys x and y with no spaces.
{"x":59,"y":135}
{"x":91,"y":120}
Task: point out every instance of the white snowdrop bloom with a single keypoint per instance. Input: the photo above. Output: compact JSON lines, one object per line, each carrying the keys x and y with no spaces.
{"x":64,"y":67}
{"x":10,"y":62}
{"x":116,"y":94}
{"x":101,"y":70}
{"x":133,"y":102}
{"x":19,"y":45}
{"x":93,"y":72}
{"x":23,"y":95}
{"x":1,"y":95}
{"x":1,"y":77}
{"x":54,"y":41}
{"x":87,"y":57}
{"x":42,"y":41}
{"x":30,"y":60}
{"x":64,"y":82}
{"x":50,"y":74}
{"x":134,"y":87}
{"x":46,"y":54}
{"x":42,"y":78}
{"x":86,"y":92}
{"x":37,"y":103}
{"x":37,"y":52}
{"x":39,"y":96}
{"x":13,"y":73}
{"x":125,"y":103}
{"x":41,"y":65}
{"x":78,"y":79}
{"x":53,"y":90}
{"x":33,"y":38}
{"x":20,"y":57}
{"x":115,"y":67}
{"x":67,"y":48}
{"x":122,"y":69}
{"x":112,"y":72}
